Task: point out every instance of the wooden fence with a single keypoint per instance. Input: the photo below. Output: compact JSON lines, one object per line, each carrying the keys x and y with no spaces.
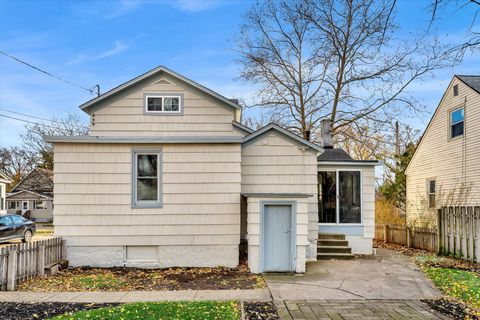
{"x":19,"y":262}
{"x":459,"y":234}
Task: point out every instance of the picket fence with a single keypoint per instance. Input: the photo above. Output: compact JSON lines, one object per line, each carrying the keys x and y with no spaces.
{"x":20,"y":262}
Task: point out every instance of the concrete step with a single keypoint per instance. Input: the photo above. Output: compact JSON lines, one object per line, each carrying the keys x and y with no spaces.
{"x":332,"y":242}
{"x":331,"y":236}
{"x":334,"y":249}
{"x":336,"y":256}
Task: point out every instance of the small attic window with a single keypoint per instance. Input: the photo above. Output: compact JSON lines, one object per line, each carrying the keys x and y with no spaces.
{"x":455,"y":90}
{"x":163,"y":104}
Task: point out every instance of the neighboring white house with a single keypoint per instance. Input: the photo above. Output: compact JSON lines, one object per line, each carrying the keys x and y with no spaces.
{"x":445,"y":168}
{"x":32,"y":197}
{"x":4,"y":181}
{"x":169,"y":177}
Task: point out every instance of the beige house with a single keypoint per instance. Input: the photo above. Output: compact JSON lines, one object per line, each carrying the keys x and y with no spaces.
{"x":169,"y":177}
{"x":32,"y":197}
{"x":445,"y":169}
{"x":4,"y":181}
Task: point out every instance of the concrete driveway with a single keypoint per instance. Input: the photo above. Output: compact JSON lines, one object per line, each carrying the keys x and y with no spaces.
{"x":389,"y":275}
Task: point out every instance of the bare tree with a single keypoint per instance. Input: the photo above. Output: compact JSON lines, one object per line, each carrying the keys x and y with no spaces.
{"x":339,"y":59}
{"x":471,"y":41}
{"x":68,"y":125}
{"x":16,"y":162}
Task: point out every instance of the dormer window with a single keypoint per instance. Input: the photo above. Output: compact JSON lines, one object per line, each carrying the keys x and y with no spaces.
{"x":163,"y":104}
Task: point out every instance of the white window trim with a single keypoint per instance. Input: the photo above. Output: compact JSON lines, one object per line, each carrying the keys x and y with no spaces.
{"x":451,"y":124}
{"x":35,"y":205}
{"x":337,"y":196}
{"x":163,"y":96}
{"x":429,"y":193}
{"x":147,"y":203}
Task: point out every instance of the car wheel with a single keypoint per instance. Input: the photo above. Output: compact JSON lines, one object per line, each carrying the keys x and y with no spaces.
{"x":27,"y":236}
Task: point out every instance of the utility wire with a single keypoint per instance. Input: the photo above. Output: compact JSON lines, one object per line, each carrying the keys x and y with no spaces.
{"x":27,"y":115}
{"x":28,"y":121}
{"x":91,"y":90}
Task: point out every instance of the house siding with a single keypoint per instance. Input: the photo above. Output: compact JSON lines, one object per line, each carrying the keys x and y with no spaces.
{"x":453,"y":163}
{"x":200,"y":213}
{"x":273,"y":164}
{"x":359,"y":237}
{"x":123,"y":114}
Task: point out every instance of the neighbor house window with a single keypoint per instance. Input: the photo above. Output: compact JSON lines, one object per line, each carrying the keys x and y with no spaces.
{"x":40,"y":205}
{"x":457,"y":119}
{"x":340,"y":197}
{"x":13,"y":205}
{"x":163,"y":104}
{"x":431,"y":188}
{"x":146,"y":179}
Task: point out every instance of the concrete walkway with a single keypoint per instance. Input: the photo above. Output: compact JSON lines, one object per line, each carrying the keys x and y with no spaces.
{"x":390,"y":275}
{"x":136,"y":296}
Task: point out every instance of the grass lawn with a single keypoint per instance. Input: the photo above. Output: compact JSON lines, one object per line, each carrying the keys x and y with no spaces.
{"x":459,"y":284}
{"x":198,"y":310}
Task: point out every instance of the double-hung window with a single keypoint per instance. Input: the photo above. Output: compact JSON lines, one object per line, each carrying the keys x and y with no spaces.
{"x":163,"y":103}
{"x":40,"y":205}
{"x":431,"y":190}
{"x":340,"y":197}
{"x":457,"y":120}
{"x":146,"y":184}
{"x":13,"y":205}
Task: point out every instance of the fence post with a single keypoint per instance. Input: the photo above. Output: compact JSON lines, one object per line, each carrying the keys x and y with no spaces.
{"x":64,"y":250}
{"x":12,"y":269}
{"x":385,"y":234}
{"x":439,"y":231}
{"x":409,"y":245}
{"x":41,"y":260}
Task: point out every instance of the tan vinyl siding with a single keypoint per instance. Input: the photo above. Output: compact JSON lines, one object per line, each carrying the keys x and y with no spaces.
{"x":275,"y":164}
{"x":452,"y":163}
{"x":123,"y":114}
{"x":201,"y":196}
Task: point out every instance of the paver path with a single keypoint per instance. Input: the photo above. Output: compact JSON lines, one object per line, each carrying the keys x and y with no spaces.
{"x":389,"y":275}
{"x":355,"y":309}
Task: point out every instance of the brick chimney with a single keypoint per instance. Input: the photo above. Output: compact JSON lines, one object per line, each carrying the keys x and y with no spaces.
{"x":326,"y":134}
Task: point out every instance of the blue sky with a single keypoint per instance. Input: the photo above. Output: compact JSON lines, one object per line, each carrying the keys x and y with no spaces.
{"x":110,"y":42}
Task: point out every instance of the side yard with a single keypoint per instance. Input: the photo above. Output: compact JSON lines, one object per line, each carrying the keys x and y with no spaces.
{"x":458,"y":280}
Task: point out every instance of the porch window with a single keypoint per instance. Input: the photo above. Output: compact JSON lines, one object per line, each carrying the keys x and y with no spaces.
{"x":339,"y":197}
{"x":2,"y":199}
{"x":13,"y":205}
{"x":146,"y":179}
{"x":327,"y":196}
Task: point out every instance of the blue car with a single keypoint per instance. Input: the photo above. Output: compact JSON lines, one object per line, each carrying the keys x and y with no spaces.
{"x":13,"y":226}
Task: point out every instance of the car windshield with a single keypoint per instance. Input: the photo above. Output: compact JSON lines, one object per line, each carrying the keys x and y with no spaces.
{"x":5,"y":221}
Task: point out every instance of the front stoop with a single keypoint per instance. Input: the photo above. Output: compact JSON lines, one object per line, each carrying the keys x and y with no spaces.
{"x":333,"y":246}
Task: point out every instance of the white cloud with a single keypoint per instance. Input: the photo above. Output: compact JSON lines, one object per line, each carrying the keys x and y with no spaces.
{"x":123,"y":7}
{"x":119,"y":47}
{"x":195,"y":5}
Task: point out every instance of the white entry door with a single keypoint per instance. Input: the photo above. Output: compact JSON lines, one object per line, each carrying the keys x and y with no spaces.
{"x":277,"y":240}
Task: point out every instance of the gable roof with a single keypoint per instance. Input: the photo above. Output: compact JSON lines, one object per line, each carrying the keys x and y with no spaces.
{"x":42,"y":171}
{"x":11,"y":194}
{"x":90,"y":105}
{"x":275,"y":127}
{"x":469,"y":81}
